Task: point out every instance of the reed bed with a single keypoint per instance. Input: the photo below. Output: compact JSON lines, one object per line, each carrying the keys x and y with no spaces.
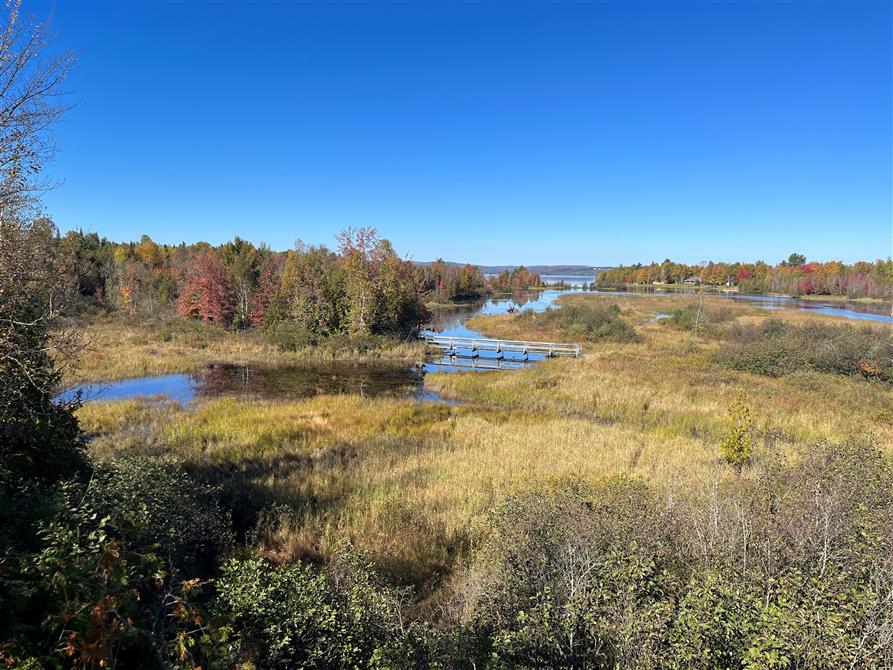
{"x":116,"y":348}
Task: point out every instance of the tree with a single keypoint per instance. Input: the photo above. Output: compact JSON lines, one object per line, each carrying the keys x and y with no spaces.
{"x":241,"y":260}
{"x":206,"y":293}
{"x":312,"y":291}
{"x":39,"y":439}
{"x":471,"y":281}
{"x":30,"y":102}
{"x":796,"y":260}
{"x":380,"y":289}
{"x":268,"y":283}
{"x":359,"y":251}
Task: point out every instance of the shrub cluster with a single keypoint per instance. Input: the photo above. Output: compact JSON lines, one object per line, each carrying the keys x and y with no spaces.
{"x":697,"y":318}
{"x":296,"y":616}
{"x":590,"y":322}
{"x":776,"y":348}
{"x":792,"y":569}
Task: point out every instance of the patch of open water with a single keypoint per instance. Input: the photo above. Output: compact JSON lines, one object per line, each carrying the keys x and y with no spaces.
{"x":295,"y":382}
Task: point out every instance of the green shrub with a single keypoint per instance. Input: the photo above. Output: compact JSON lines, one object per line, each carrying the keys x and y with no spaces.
{"x":294,"y":615}
{"x":776,"y":348}
{"x":699,"y":319}
{"x":738,"y":443}
{"x":154,"y":502}
{"x":573,"y":576}
{"x":590,"y":322}
{"x":288,"y":335}
{"x":102,"y":589}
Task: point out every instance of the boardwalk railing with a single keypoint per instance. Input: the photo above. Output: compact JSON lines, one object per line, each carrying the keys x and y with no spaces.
{"x":475,"y":344}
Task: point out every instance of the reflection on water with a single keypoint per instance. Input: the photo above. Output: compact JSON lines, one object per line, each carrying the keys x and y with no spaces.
{"x":279,"y":383}
{"x":568,"y":280}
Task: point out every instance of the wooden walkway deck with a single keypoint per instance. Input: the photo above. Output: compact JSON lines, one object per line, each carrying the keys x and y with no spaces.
{"x":500,"y":347}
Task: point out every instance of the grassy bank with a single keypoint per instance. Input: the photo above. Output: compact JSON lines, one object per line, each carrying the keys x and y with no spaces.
{"x":843,"y":299}
{"x":671,"y":288}
{"x":118,"y":348}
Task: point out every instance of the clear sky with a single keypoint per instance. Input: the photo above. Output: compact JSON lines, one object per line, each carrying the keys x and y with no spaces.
{"x":596,"y":133}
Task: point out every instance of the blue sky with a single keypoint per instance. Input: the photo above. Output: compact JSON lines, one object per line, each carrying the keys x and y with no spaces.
{"x":596,"y":133}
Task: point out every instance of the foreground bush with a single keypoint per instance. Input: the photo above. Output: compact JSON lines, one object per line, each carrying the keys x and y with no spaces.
{"x":590,"y":322}
{"x":295,"y":616}
{"x":116,"y":576}
{"x":790,"y":569}
{"x":785,"y":566}
{"x":776,"y":348}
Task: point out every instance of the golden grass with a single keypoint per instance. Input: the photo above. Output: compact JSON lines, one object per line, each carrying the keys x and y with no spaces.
{"x":842,"y":298}
{"x":118,"y":349}
{"x":410,"y":482}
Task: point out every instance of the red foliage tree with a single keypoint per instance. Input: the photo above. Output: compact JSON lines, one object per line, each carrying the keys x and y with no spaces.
{"x":205,"y":293}
{"x":267,"y":288}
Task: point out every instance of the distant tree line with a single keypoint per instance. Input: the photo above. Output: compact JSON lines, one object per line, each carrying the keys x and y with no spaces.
{"x":362,"y":288}
{"x":447,"y":282}
{"x":793,"y":276}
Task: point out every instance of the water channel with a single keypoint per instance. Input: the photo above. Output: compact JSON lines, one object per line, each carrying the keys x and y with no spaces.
{"x":293,"y":382}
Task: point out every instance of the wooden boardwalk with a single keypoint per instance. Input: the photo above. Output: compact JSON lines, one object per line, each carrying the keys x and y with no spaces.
{"x":501,"y":347}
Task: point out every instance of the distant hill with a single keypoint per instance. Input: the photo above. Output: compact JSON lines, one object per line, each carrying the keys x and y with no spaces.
{"x":570,"y":270}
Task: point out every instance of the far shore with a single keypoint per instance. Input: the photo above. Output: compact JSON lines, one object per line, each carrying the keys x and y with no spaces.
{"x":672,"y":288}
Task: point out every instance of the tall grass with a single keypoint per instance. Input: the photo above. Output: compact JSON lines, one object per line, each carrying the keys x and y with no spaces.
{"x":118,"y":348}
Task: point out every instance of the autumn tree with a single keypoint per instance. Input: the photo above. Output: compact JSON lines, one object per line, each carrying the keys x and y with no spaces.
{"x":380,"y":290}
{"x":312,"y":291}
{"x":242,"y":262}
{"x":471,"y":282}
{"x":268,"y":282}
{"x":205,"y":293}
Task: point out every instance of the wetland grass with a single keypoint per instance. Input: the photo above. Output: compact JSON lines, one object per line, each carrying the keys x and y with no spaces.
{"x":119,"y":348}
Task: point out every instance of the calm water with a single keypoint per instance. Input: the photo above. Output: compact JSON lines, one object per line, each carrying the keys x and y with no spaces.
{"x":303,"y":382}
{"x":453,"y":322}
{"x":850,"y":309}
{"x":283,"y":383}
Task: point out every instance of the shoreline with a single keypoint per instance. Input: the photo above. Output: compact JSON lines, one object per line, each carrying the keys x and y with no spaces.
{"x":645,"y":289}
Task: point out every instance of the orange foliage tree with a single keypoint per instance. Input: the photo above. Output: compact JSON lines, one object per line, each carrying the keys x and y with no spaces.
{"x":205,"y":292}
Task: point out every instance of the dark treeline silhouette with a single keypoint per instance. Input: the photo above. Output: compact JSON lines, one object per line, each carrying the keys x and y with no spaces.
{"x":793,"y":276}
